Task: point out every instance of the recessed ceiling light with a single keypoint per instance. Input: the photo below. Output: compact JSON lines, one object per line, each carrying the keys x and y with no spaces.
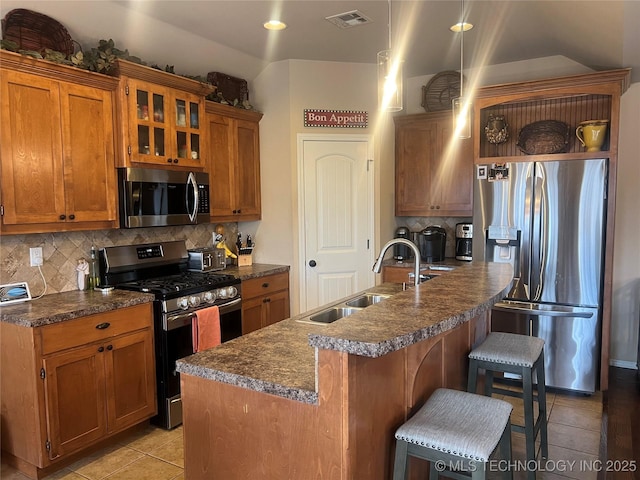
{"x":275,"y":25}
{"x":461,"y":27}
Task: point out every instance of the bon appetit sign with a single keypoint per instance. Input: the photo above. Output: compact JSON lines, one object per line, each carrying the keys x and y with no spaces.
{"x":335,"y":118}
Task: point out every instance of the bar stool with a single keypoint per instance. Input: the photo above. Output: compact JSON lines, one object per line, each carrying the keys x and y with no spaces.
{"x":458,"y":430}
{"x":522,"y":355}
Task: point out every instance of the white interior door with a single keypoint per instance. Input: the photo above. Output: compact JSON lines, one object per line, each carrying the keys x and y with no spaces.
{"x":337,"y":194}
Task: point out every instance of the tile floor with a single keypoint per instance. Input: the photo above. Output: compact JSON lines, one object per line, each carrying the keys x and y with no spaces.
{"x":156,"y":454}
{"x":149,"y":454}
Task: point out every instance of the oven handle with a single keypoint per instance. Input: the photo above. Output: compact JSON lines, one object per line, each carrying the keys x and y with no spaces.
{"x":231,"y":306}
{"x":172,"y":322}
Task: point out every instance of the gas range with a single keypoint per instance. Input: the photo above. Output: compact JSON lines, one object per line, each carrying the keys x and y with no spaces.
{"x":180,"y":297}
{"x":188,"y":290}
{"x":162,"y":269}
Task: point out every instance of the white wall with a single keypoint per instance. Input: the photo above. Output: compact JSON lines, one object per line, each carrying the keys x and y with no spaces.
{"x":626,"y":262}
{"x":285,"y":90}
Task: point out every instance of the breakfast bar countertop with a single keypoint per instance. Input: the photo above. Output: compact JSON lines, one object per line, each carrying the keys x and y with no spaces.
{"x":281,"y":359}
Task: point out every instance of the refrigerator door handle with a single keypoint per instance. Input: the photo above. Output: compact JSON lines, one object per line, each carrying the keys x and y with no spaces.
{"x":536,"y":309}
{"x":539,"y":227}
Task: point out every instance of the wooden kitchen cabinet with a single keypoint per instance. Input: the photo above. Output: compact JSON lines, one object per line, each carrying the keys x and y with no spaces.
{"x":71,"y":384}
{"x":58,"y":147}
{"x":434,"y":171}
{"x":233,"y":163}
{"x":265,"y":301}
{"x":163,"y":117}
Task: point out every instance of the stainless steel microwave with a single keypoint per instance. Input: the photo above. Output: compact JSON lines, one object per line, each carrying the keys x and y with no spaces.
{"x":154,"y":197}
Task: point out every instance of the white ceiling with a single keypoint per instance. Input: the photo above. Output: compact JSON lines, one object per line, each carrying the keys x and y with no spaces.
{"x":598,"y":34}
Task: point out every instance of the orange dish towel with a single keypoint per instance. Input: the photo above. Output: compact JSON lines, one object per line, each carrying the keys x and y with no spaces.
{"x":206,"y":329}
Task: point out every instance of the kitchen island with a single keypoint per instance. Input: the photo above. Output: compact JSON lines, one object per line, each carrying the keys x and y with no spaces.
{"x":299,"y":400}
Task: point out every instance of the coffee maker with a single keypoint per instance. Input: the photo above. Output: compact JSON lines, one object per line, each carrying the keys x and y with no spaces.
{"x":402,"y":252}
{"x":464,"y":237}
{"x":431,"y":242}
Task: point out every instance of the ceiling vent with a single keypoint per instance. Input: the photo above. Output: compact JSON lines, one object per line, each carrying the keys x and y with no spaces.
{"x":349,"y":19}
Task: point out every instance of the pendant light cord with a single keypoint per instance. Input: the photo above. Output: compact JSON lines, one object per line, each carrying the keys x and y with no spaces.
{"x":461,"y":45}
{"x":389,"y":25}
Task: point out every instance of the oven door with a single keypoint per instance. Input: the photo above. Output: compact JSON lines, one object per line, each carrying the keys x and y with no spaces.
{"x":151,"y":197}
{"x":175,"y":341}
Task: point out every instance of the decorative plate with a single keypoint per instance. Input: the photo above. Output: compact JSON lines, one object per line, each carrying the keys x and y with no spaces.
{"x":440,"y":91}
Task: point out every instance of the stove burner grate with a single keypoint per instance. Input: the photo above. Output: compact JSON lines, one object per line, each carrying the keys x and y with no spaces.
{"x":180,"y":283}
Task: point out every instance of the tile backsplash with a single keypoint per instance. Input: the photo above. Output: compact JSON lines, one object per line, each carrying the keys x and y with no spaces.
{"x":61,"y":251}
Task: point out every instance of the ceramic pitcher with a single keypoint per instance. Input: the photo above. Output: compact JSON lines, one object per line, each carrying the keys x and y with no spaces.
{"x":591,"y":134}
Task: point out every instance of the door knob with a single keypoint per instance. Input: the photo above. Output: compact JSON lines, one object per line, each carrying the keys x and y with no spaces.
{"x":312,"y":263}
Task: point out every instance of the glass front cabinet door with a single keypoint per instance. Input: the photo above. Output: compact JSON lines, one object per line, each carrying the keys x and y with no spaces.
{"x":164,"y":125}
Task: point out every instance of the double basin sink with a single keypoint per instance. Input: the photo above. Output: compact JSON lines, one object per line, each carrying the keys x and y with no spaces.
{"x":357,"y":303}
{"x":345,"y":309}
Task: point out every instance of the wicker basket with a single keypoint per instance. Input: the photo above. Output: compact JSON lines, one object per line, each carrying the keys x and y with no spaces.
{"x":35,"y":31}
{"x":440,"y":91}
{"x":544,"y":137}
{"x":231,"y":88}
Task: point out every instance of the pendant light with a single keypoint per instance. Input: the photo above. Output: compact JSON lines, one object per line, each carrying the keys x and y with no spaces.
{"x":389,"y":78}
{"x":462,"y":105}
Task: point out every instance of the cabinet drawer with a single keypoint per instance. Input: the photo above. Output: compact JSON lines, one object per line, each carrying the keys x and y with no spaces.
{"x":81,"y":331}
{"x":265,"y":285}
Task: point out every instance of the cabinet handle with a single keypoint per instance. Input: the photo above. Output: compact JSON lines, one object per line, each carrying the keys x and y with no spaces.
{"x":102,"y":326}
{"x":239,"y":211}
{"x":265,"y":285}
{"x":62,"y":217}
{"x":437,"y":207}
{"x":109,"y":347}
{"x":169,"y":160}
{"x":72,"y":217}
{"x":101,"y":349}
{"x":175,"y":160}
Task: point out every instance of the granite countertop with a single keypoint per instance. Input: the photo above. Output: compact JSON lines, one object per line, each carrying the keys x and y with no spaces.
{"x":256,"y":270}
{"x":280,"y":359}
{"x":59,"y":307}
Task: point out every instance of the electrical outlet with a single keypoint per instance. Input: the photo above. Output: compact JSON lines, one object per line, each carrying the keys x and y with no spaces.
{"x":35,"y":255}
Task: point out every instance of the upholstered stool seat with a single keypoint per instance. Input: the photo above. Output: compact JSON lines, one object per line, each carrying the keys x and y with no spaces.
{"x":522,"y":355}
{"x":456,"y":430}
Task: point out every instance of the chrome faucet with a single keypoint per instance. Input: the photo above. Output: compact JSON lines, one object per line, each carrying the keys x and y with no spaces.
{"x":416,"y":255}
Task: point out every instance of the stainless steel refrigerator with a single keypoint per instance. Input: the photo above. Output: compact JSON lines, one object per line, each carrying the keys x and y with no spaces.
{"x":548,"y":219}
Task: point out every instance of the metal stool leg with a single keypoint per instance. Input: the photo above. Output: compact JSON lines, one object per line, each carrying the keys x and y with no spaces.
{"x":472,"y":382}
{"x":488,"y":383}
{"x":529,"y":424}
{"x":542,"y":407}
{"x":400,"y":465}
{"x":505,"y":451}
